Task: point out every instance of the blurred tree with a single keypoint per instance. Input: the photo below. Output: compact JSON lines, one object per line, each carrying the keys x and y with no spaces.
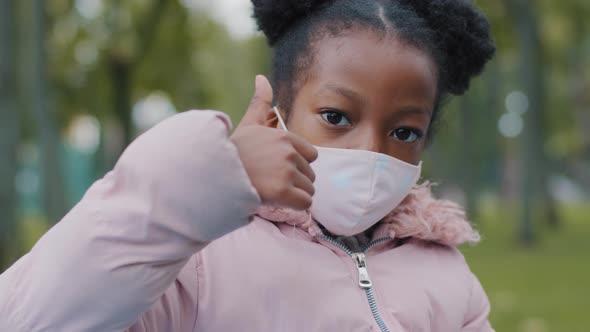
{"x":97,"y":61}
{"x":44,"y":117}
{"x":477,"y":171}
{"x":566,"y":36}
{"x":578,"y":55}
{"x":535,"y":175}
{"x":469,"y":162}
{"x":123,"y":63}
{"x":9,"y":132}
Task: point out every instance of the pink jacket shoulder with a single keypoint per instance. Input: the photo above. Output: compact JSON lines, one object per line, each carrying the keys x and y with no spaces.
{"x":126,"y":246}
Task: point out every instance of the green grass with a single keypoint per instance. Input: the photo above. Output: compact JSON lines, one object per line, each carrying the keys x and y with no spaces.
{"x":541,"y":288}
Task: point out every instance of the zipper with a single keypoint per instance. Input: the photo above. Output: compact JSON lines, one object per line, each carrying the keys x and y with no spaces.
{"x":365,"y":282}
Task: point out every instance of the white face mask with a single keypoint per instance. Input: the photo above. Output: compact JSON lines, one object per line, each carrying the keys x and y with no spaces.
{"x":354,"y":189}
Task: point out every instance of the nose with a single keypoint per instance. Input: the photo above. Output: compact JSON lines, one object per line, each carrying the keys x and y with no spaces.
{"x":371,"y":141}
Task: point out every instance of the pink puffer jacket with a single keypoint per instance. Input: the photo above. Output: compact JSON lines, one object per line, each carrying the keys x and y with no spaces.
{"x":174,"y":239}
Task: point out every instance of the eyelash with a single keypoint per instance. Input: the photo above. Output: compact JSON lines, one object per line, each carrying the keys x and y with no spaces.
{"x":326,"y":112}
{"x":416,"y":132}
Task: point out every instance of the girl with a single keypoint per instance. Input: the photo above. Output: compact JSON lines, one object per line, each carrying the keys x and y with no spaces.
{"x":307,"y":218}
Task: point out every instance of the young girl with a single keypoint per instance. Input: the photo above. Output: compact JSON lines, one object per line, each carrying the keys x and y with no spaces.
{"x":307,"y":218}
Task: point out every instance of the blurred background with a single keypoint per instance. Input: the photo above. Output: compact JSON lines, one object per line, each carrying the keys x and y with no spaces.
{"x":79,"y":79}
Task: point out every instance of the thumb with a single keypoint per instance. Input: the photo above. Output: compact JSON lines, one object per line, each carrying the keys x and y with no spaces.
{"x":261,"y":103}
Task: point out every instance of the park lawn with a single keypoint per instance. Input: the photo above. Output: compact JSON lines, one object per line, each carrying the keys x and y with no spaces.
{"x":542,"y":288}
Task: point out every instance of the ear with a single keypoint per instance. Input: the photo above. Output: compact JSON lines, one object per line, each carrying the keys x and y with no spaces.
{"x":273,"y":121}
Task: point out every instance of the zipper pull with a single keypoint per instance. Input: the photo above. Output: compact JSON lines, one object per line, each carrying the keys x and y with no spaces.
{"x":361,"y":264}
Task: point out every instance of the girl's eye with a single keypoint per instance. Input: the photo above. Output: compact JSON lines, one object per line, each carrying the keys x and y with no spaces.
{"x":335,"y":118}
{"x":407,"y":135}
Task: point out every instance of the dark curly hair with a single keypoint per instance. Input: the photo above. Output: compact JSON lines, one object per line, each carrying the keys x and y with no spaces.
{"x":453,"y":32}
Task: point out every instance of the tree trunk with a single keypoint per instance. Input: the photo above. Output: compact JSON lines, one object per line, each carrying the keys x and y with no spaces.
{"x":9,"y":133}
{"x":121,"y":80}
{"x":49,"y":138}
{"x":121,"y":73}
{"x":580,"y":85}
{"x":535,"y":192}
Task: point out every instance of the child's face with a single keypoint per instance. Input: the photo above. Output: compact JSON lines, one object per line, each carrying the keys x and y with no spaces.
{"x":366,"y":93}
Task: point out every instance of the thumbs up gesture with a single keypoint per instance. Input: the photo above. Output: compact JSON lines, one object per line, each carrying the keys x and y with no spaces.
{"x":276,"y":161}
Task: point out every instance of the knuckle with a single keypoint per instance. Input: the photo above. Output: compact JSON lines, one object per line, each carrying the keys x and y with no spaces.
{"x":284,"y":136}
{"x":290,"y":173}
{"x":282,"y":190}
{"x":291,"y":155}
{"x":306,"y":202}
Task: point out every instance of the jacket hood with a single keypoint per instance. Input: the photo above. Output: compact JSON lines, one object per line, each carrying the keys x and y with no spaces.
{"x":419,"y":215}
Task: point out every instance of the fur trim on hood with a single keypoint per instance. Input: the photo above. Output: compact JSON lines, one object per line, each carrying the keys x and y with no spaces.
{"x":419,"y":216}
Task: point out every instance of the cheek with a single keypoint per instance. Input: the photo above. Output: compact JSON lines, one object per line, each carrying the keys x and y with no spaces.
{"x":304,"y":123}
{"x":410,"y":154}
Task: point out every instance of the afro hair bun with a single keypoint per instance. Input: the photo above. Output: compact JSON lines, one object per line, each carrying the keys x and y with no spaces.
{"x":274,"y":17}
{"x":463,"y":35}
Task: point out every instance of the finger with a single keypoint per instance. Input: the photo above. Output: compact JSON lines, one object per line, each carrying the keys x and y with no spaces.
{"x":308,"y":151}
{"x":304,"y":183}
{"x":297,"y":199}
{"x":304,"y":167}
{"x":261,"y":103}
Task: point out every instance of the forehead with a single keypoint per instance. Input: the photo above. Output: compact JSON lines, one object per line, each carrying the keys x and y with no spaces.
{"x":373,"y":64}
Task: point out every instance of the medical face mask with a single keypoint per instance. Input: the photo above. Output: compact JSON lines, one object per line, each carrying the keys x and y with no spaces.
{"x":354,"y":189}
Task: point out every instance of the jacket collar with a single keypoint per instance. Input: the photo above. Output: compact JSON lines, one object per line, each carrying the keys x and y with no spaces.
{"x":419,"y":216}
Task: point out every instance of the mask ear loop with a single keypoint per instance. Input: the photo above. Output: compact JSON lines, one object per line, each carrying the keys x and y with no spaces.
{"x":276,"y":109}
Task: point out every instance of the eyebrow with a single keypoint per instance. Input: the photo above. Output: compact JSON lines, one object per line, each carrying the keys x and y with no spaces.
{"x":348,"y":93}
{"x":356,"y":97}
{"x":413,"y":110}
